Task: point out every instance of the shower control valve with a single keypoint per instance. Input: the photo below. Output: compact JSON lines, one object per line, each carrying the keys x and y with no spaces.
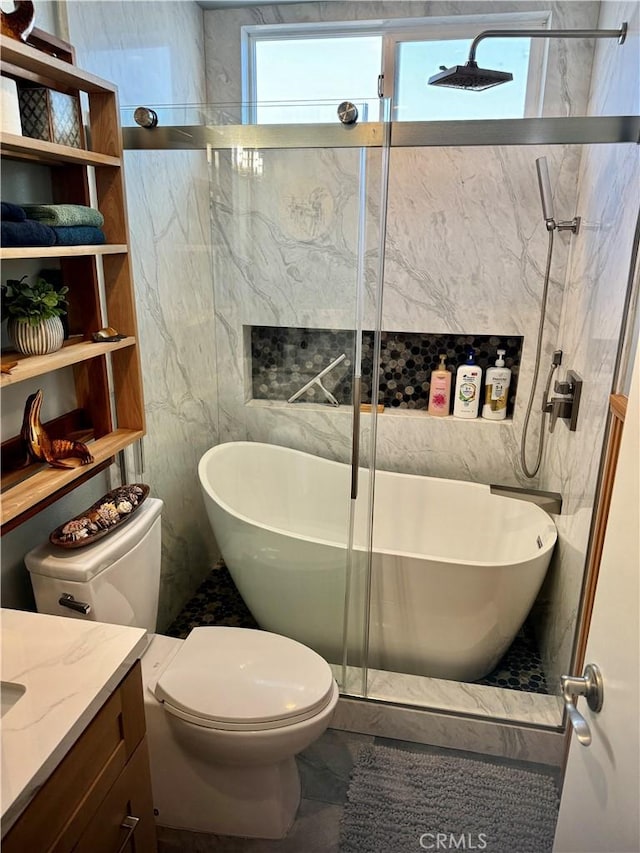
{"x":563,"y":387}
{"x":567,"y":405}
{"x":558,"y":408}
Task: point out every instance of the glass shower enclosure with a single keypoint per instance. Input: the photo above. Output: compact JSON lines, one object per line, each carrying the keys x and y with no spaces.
{"x":346,"y":258}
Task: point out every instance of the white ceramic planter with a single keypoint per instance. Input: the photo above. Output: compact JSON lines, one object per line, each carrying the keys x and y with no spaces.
{"x":44,"y":338}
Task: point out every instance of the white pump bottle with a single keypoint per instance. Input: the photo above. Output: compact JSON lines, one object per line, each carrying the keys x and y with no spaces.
{"x":497,"y":390}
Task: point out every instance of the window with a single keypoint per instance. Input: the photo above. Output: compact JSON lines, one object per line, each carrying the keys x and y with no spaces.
{"x":300,"y":73}
{"x":293,"y":77}
{"x":415,"y":101}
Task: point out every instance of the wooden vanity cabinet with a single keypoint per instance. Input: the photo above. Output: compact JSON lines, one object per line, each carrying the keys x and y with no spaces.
{"x":98,"y":800}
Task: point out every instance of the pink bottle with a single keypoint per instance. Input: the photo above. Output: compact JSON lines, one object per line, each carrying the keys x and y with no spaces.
{"x":440,"y":391}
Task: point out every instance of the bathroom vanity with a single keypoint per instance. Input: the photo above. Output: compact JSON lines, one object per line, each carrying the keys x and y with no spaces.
{"x":75,"y":769}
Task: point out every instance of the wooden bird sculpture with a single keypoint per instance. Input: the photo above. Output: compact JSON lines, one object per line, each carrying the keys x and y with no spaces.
{"x":19,"y":23}
{"x":40,"y":447}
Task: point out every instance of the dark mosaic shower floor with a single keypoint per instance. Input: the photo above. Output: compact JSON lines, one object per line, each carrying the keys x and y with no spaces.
{"x":218,"y":602}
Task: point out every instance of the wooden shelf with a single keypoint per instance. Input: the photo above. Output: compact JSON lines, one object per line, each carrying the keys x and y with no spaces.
{"x":42,"y":64}
{"x":73,"y":353}
{"x":16,"y":147}
{"x":26,"y":252}
{"x":108,"y":391}
{"x":47,"y":480}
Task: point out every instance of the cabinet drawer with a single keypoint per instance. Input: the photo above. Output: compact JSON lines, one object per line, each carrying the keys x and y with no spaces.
{"x":59,"y":812}
{"x":124,"y":821}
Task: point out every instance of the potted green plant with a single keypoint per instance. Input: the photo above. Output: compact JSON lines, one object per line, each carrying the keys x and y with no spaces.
{"x":34,"y":311}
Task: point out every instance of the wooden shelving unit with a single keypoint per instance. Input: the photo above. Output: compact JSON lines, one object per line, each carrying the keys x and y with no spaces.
{"x":49,"y":153}
{"x":73,"y":352}
{"x":113,"y":406}
{"x":23,"y":497}
{"x":62,"y":251}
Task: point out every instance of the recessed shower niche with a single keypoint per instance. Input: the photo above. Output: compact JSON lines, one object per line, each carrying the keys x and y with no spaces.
{"x":284,"y":359}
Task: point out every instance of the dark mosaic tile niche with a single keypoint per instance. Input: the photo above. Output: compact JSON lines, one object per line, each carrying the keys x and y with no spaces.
{"x":284,"y":359}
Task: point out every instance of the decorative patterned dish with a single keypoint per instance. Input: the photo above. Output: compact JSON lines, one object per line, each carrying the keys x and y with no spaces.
{"x":110,"y":512}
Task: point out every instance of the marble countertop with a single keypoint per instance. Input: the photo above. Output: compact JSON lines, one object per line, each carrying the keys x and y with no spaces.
{"x":68,"y":668}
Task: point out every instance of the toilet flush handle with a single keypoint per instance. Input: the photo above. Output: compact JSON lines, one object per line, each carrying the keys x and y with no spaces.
{"x":67,"y":600}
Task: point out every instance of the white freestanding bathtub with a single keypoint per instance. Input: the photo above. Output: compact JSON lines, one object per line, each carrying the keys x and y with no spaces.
{"x":455,"y":569}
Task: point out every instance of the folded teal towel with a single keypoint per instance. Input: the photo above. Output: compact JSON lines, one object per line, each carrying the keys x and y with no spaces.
{"x":64,"y":214}
{"x":78,"y":235}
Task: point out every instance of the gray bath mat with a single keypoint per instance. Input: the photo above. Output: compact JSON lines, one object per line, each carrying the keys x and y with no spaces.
{"x":399,"y":801}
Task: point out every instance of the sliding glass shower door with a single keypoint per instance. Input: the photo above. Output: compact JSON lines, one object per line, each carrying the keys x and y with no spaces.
{"x":295,"y":212}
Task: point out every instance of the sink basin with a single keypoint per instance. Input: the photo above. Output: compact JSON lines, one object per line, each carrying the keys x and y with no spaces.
{"x":10,"y":693}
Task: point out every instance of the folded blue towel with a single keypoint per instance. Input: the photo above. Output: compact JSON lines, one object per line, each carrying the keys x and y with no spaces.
{"x":27,"y":233}
{"x":78,"y":235}
{"x":11,"y":212}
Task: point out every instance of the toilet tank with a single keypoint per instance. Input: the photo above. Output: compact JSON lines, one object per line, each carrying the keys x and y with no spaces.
{"x":118,"y":576}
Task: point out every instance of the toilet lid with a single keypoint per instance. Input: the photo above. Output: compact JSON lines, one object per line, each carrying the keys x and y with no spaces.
{"x":243,"y":679}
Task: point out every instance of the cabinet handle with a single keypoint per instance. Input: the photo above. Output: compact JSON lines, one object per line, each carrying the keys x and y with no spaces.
{"x":129,"y":823}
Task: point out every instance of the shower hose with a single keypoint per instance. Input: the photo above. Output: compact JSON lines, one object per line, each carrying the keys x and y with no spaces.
{"x":525,"y":428}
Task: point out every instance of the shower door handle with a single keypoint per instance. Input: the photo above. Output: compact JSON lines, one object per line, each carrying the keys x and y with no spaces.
{"x":355,"y":438}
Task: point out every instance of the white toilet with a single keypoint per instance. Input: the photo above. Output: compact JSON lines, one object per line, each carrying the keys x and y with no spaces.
{"x":227,"y":709}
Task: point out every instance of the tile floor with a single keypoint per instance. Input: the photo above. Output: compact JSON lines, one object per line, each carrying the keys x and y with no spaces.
{"x":218,"y":602}
{"x":325,"y":768}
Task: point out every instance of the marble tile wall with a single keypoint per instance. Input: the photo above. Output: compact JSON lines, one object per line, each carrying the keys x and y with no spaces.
{"x":590,"y":326}
{"x":451,"y":214}
{"x":153,"y":51}
{"x":285,"y":248}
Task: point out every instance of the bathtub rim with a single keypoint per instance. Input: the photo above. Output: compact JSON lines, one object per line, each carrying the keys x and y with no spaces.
{"x":531,"y":508}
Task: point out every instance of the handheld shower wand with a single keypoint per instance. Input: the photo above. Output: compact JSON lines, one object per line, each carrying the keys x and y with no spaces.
{"x":546,"y":198}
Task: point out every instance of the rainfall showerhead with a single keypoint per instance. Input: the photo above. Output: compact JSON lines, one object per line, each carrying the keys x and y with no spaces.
{"x":469,"y":76}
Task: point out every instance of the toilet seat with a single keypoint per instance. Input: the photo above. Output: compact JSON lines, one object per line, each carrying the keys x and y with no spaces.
{"x":240,"y":679}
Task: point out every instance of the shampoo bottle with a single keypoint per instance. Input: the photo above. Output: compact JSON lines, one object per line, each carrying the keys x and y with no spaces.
{"x":467,"y":393}
{"x":440,"y":391}
{"x":496,"y":390}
